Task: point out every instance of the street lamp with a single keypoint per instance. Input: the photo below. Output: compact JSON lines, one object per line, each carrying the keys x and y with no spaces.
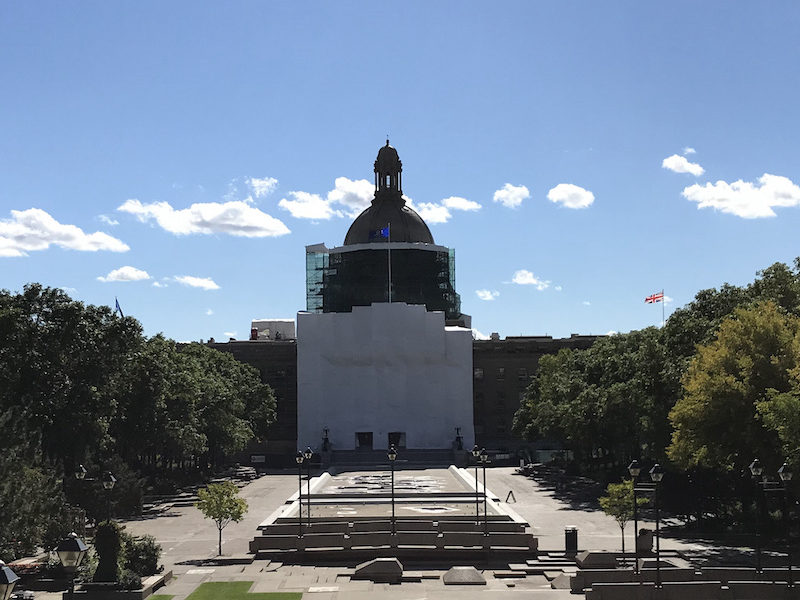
{"x":392,"y":456}
{"x":757,"y":470}
{"x":656,"y":475}
{"x":71,"y":551}
{"x":8,"y":579}
{"x":108,"y":481}
{"x":307,"y":454}
{"x":634,"y":469}
{"x":299,"y":458}
{"x":786,"y":476}
{"x":484,"y":462}
{"x":476,"y":453}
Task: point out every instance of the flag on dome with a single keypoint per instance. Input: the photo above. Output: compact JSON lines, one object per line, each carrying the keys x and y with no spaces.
{"x":658,"y":297}
{"x":382,"y":234}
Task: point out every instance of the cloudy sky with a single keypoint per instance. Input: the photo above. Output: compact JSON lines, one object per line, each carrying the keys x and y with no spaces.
{"x":579,"y":156}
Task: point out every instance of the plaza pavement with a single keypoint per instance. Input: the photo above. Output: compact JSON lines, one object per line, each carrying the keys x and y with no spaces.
{"x":189,"y":542}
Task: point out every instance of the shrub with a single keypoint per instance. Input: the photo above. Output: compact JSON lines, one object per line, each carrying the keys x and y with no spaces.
{"x":128,"y":580}
{"x":142,"y":554}
{"x":108,"y":543}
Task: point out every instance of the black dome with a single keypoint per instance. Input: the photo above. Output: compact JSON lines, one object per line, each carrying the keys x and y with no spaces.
{"x":388,"y":208}
{"x":405,"y":225}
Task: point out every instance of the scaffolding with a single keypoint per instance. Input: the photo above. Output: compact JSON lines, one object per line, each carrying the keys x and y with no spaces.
{"x":341,"y":278}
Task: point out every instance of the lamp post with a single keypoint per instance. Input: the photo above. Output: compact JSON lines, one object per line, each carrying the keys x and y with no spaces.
{"x":656,"y":475}
{"x":109,"y":481}
{"x":476,"y":453}
{"x":392,"y":456}
{"x":634,"y":469}
{"x":757,"y":470}
{"x":484,"y":462}
{"x":8,"y":579}
{"x":299,"y":458}
{"x":307,"y":454}
{"x":786,"y":476}
{"x":71,"y":551}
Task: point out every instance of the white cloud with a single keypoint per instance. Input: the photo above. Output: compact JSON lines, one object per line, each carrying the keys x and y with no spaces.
{"x":487,"y":294}
{"x":34,"y":229}
{"x":571,"y":196}
{"x":432,"y":213}
{"x":668,"y":299}
{"x":209,"y":312}
{"x":108,"y":220}
{"x":353,"y":195}
{"x":229,"y":334}
{"x":679,"y":164}
{"x":586,"y":303}
{"x":477,"y":335}
{"x":745,"y":199}
{"x":612,"y":332}
{"x":205,"y":283}
{"x":235,"y":217}
{"x":262,"y":187}
{"x":126,"y":273}
{"x":159,"y":284}
{"x":689,"y":150}
{"x":308,"y":206}
{"x":558,"y":288}
{"x":457,"y":203}
{"x":511,"y":196}
{"x":525,"y":277}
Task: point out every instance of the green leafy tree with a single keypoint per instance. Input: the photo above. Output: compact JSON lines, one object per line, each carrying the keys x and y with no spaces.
{"x":618,"y":503}
{"x":732,"y":385}
{"x":108,"y":544}
{"x":220,"y":502}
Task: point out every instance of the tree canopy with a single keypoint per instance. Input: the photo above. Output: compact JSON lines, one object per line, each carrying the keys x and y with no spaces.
{"x":81,"y":385}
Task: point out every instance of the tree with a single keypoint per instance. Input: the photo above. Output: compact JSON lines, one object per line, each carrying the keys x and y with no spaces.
{"x":220,"y":502}
{"x":734,"y":390}
{"x":618,"y":503}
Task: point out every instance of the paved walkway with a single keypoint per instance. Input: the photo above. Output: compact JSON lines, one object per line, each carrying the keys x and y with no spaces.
{"x":189,"y":542}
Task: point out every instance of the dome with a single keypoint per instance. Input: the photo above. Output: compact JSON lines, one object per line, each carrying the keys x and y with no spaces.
{"x":388,"y":208}
{"x":405,"y":225}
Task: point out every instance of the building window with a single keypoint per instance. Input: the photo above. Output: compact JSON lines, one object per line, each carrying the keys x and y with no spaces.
{"x":501,"y":372}
{"x":501,"y":428}
{"x":522,"y":374}
{"x":478,"y":373}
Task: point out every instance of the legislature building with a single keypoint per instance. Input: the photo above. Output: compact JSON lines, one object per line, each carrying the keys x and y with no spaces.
{"x":383,"y":355}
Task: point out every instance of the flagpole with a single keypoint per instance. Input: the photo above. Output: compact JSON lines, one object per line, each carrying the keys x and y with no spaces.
{"x":389,"y":253}
{"x":663,"y":302}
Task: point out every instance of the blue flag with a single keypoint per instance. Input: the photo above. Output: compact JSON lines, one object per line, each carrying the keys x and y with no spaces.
{"x":379,"y":234}
{"x":117,"y":308}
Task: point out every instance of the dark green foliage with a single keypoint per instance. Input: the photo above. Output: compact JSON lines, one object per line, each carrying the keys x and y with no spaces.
{"x":80,"y":385}
{"x":128,"y":580}
{"x":141,"y":554}
{"x":108,"y":544}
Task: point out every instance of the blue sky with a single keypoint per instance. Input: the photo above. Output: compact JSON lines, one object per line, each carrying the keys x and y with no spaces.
{"x":593,"y":153}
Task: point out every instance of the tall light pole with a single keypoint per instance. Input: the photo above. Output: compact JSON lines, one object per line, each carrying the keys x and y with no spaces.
{"x":656,"y":475}
{"x":71,"y":551}
{"x":757,"y":470}
{"x":634,"y":469}
{"x":392,"y":456}
{"x":786,"y":476}
{"x":307,"y":455}
{"x":476,"y":453}
{"x":484,"y":461}
{"x":299,"y":459}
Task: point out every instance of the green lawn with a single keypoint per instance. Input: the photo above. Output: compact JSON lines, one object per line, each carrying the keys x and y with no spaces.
{"x":236,"y":590}
{"x":160,"y":597}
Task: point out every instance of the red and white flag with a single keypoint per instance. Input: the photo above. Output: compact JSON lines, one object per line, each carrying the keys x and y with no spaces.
{"x":659,"y":297}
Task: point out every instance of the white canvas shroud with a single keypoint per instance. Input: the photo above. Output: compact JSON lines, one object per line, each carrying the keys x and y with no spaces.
{"x":383,"y":368}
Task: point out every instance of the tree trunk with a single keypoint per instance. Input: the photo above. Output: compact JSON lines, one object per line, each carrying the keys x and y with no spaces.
{"x":622,"y":528}
{"x":220,"y":541}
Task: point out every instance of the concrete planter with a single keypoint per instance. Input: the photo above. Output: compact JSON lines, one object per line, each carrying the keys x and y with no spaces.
{"x":107,"y":591}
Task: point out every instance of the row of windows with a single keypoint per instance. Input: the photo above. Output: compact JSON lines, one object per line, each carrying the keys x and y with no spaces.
{"x":522,"y":373}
